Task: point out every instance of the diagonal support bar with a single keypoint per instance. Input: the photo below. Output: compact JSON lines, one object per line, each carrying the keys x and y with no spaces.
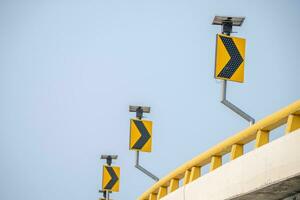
{"x":142,"y":169}
{"x":233,"y":107}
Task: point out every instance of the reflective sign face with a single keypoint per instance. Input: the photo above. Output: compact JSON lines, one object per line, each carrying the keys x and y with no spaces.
{"x":111,"y":178}
{"x":140,"y":135}
{"x":230,"y":58}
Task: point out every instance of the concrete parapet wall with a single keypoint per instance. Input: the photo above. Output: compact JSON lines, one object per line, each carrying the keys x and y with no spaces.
{"x":269,"y":172}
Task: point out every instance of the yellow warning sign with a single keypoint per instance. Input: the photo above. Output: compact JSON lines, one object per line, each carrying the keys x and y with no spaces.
{"x":230,"y":58}
{"x":140,"y":135}
{"x":111,"y":178}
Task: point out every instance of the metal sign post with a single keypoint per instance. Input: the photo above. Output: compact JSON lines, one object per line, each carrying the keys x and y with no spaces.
{"x":143,"y":142}
{"x":235,"y":62}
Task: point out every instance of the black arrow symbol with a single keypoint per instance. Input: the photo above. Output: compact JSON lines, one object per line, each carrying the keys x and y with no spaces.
{"x":145,"y":136}
{"x":113,"y":180}
{"x":235,"y":58}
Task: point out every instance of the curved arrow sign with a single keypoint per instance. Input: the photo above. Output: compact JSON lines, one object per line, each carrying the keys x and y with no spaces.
{"x":110,"y":178}
{"x":230,"y":54}
{"x":140,"y":135}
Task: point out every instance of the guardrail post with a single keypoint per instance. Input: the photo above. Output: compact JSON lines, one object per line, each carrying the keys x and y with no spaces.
{"x":293,"y":123}
{"x":237,"y":150}
{"x":216,"y":161}
{"x":262,"y":138}
{"x":162,"y":191}
{"x":174,"y":184}
{"x":195,"y":173}
{"x":153,"y":197}
{"x":186,"y":178}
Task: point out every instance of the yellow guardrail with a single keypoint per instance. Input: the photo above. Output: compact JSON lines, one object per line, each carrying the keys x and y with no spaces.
{"x":259,"y":132}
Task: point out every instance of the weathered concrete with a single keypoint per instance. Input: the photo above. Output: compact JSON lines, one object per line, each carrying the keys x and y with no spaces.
{"x":271,"y":172}
{"x":294,"y":197}
{"x":282,"y":190}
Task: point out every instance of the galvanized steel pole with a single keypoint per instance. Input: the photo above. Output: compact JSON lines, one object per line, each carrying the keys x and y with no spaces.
{"x":142,"y":169}
{"x":233,"y":107}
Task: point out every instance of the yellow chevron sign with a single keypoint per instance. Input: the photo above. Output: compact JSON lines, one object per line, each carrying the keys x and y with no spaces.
{"x":230,"y":58}
{"x":140,"y":135}
{"x":111,"y":178}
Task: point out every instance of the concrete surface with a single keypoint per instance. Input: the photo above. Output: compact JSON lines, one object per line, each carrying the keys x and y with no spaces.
{"x":294,"y":197}
{"x":269,"y":172}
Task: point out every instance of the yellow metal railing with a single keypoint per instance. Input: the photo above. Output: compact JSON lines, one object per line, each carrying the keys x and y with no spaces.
{"x":259,"y":132}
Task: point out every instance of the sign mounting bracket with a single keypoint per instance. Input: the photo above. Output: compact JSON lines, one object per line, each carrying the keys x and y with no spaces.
{"x":142,"y":169}
{"x":233,"y":107}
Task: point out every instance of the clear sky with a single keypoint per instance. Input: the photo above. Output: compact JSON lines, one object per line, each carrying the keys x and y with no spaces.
{"x":69,"y":70}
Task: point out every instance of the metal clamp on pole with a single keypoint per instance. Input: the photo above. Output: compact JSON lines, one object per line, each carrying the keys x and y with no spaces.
{"x":139,"y":110}
{"x":227,"y":23}
{"x":106,"y":197}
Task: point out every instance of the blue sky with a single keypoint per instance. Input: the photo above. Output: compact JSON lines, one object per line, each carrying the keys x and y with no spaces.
{"x":69,"y":70}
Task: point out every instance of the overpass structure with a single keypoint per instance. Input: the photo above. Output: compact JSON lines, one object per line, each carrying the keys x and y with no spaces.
{"x":270,"y":171}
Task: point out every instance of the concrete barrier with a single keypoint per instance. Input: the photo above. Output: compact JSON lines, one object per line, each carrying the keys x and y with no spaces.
{"x":269,"y":172}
